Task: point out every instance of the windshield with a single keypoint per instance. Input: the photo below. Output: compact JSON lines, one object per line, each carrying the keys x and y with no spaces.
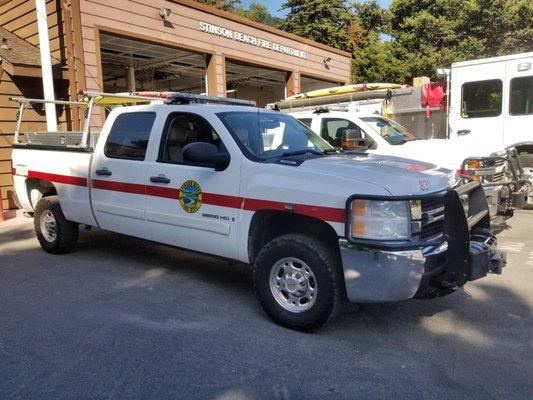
{"x":389,"y":130}
{"x":265,"y":135}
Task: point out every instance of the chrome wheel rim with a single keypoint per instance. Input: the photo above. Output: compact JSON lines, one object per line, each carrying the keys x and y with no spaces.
{"x":48,"y":226}
{"x":293,"y":285}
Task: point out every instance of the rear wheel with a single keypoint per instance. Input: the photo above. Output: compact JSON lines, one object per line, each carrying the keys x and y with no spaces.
{"x":298,"y":281}
{"x":55,"y":233}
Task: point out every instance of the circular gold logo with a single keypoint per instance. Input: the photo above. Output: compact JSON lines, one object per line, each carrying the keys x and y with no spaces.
{"x":190,"y":196}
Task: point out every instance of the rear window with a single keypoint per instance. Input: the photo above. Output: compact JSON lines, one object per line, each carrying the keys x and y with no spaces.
{"x":521,"y":101}
{"x":129,"y":136}
{"x":481,"y":99}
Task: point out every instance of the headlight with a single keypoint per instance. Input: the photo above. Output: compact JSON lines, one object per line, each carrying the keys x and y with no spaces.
{"x":380,"y":220}
{"x":477,"y":169}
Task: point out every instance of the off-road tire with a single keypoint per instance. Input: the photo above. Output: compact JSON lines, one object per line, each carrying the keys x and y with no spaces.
{"x":326,"y":268}
{"x":66,"y":231}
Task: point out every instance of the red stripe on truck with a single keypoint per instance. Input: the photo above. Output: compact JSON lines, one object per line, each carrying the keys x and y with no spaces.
{"x":66,"y":179}
{"x":119,"y":186}
{"x":325,"y":213}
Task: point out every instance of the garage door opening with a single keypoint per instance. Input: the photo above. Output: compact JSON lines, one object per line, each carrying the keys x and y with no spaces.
{"x":250,"y":82}
{"x":130,"y":65}
{"x":309,"y":84}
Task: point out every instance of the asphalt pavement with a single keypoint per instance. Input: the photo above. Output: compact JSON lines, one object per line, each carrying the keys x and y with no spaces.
{"x":122,"y":318}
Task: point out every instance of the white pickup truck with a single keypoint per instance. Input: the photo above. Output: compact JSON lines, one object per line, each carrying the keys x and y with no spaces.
{"x":376,"y":134}
{"x":317,"y":226}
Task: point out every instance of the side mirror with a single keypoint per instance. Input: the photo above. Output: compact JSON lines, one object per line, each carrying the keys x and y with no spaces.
{"x":206,"y":154}
{"x":352,"y":139}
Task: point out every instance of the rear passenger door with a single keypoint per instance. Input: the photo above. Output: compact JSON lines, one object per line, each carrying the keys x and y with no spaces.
{"x":118,"y":174}
{"x":192,"y":206}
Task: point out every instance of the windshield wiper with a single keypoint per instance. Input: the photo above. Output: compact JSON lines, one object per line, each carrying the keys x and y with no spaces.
{"x":301,"y":152}
{"x":402,"y":141}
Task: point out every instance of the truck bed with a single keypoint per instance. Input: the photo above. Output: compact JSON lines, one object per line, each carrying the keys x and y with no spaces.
{"x":71,"y":140}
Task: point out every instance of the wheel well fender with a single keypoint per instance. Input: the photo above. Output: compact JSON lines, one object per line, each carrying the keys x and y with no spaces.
{"x":267,"y":225}
{"x":36,"y":189}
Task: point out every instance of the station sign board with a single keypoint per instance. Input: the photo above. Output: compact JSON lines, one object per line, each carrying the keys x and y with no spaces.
{"x":251,"y":40}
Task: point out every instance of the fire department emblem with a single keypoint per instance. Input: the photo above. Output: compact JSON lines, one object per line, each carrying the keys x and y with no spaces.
{"x":190,"y":196}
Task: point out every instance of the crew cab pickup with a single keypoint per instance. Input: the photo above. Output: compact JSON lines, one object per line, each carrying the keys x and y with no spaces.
{"x":496,"y":168}
{"x":316,"y":225}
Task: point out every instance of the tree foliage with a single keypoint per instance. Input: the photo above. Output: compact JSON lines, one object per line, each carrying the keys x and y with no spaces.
{"x":325,"y":21}
{"x":435,"y":33}
{"x":256,"y":11}
{"x":259,"y":13}
{"x":226,"y":5}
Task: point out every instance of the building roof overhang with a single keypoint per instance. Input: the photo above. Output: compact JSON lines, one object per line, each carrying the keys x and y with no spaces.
{"x":20,"y":58}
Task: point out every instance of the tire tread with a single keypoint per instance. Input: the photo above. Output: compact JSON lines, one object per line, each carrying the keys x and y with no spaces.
{"x":329,"y":260}
{"x":67,"y":231}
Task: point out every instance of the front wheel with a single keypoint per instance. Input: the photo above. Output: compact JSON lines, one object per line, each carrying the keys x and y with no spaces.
{"x":298,"y":281}
{"x":55,"y":233}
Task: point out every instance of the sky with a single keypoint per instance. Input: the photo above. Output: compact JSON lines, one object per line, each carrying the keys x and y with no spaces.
{"x":275,"y":5}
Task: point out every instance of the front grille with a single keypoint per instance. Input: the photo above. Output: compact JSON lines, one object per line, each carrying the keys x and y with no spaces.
{"x":432,"y":218}
{"x":499,"y":162}
{"x":497,"y":177}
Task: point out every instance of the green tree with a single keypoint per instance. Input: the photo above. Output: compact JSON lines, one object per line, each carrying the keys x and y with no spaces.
{"x":325,"y":21}
{"x":226,"y":5}
{"x":259,"y":13}
{"x":374,"y":59}
{"x":435,"y":33}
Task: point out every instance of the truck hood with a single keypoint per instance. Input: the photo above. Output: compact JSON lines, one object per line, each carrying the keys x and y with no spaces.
{"x":445,"y":153}
{"x":398,"y":176}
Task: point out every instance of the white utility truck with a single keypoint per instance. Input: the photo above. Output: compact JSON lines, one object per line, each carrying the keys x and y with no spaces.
{"x":205,"y":174}
{"x":344,"y":124}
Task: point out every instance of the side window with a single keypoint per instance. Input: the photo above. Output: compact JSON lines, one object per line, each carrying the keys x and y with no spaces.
{"x":180,"y":130}
{"x":332,"y":129}
{"x":129,"y":136}
{"x":521,"y":96}
{"x":481,"y":99}
{"x":306,"y":121}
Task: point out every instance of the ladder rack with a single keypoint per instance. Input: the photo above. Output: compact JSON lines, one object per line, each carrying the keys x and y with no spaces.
{"x":90,"y":99}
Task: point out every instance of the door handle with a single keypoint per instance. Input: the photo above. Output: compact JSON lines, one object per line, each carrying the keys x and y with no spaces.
{"x":463,"y":132}
{"x":159,"y":179}
{"x":104,"y":171}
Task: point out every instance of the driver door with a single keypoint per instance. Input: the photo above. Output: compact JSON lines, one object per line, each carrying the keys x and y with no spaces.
{"x":192,"y":206}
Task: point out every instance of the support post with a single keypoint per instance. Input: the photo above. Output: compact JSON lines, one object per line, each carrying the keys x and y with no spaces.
{"x":46,"y":65}
{"x":130,"y":79}
{"x":87,"y":127}
{"x":215,"y":78}
{"x":293,"y":83}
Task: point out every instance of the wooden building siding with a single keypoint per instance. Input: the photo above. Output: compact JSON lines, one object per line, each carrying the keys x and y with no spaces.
{"x":19,"y":17}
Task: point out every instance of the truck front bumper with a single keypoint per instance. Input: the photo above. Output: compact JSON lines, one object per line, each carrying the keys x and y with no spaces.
{"x":466,"y":252}
{"x":378,"y":276}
